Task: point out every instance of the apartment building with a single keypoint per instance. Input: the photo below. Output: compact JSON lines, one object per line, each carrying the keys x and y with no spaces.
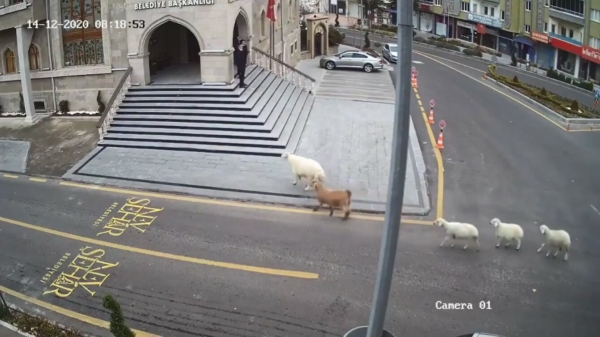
{"x":559,"y":34}
{"x":55,"y":50}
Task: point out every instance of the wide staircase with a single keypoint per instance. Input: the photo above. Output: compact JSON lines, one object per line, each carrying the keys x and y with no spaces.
{"x":266,"y":118}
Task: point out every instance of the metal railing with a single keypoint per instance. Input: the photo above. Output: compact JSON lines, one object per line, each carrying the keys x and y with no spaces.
{"x":283,"y":70}
{"x":113,"y":103}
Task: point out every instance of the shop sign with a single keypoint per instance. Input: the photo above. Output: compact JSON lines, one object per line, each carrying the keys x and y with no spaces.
{"x":171,"y":3}
{"x":539,"y":37}
{"x":424,"y":7}
{"x":590,"y":54}
{"x":486,"y":20}
{"x":561,"y":44}
{"x":481,"y":28}
{"x":464,"y":24}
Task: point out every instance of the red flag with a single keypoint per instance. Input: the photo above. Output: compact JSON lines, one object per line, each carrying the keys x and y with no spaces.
{"x":271,"y":10}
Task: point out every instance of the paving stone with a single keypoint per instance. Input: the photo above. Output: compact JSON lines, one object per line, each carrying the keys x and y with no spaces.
{"x":13,"y":155}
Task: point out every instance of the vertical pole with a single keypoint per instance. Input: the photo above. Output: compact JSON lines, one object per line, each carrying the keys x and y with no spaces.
{"x":395,"y":197}
{"x":362,"y":17}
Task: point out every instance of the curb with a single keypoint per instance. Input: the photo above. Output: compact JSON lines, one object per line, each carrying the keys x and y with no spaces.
{"x":567,"y":121}
{"x":14,"y":329}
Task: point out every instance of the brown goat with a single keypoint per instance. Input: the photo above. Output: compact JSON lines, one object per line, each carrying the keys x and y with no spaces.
{"x":333,"y":198}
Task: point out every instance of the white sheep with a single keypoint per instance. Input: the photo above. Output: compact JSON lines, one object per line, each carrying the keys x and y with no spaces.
{"x":305,"y":168}
{"x":507,"y":231}
{"x":458,"y":231}
{"x":557,"y":238}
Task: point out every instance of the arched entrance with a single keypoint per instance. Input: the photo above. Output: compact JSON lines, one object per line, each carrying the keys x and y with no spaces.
{"x":319,"y":39}
{"x":240,"y":29}
{"x":173,"y":55}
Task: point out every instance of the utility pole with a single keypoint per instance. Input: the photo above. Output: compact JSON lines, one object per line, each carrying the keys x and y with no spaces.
{"x":395,"y":198}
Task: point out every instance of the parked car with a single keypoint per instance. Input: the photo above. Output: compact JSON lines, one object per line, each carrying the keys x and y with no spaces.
{"x":390,"y":52}
{"x":365,"y":60}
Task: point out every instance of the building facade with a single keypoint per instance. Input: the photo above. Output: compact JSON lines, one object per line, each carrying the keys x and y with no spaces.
{"x":69,"y":50}
{"x":559,"y":34}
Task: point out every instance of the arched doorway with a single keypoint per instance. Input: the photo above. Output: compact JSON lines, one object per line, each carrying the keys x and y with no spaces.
{"x":319,"y":40}
{"x":240,"y":31}
{"x":173,"y":55}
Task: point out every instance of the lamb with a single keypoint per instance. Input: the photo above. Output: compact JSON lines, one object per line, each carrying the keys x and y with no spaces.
{"x":507,"y":231}
{"x":305,"y":168}
{"x":333,"y":198}
{"x":557,"y":238}
{"x":458,"y":230}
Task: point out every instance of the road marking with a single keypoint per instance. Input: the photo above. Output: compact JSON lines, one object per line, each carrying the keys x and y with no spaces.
{"x":417,"y":62}
{"x":498,"y":91}
{"x":432,"y":57}
{"x":438,"y":158}
{"x":231,"y":203}
{"x":10,"y":176}
{"x":595,"y":209}
{"x":69,"y":313}
{"x":39,"y":180}
{"x":234,"y":266}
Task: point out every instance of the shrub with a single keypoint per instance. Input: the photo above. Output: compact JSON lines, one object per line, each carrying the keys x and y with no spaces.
{"x":544,"y":92}
{"x":101,"y":105}
{"x":446,"y":45}
{"x":513,"y":60}
{"x":419,"y":39}
{"x":377,"y":44}
{"x":117,"y":320}
{"x":63,"y":106}
{"x":574,"y":106}
{"x":584,"y":85}
{"x":367,"y":41}
{"x":516,"y":79}
{"x":472,"y":52}
{"x":335,"y":37}
{"x":21,"y":103}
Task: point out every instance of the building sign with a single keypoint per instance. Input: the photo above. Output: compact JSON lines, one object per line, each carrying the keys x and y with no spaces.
{"x":507,"y":13}
{"x":559,"y":42}
{"x":424,"y":7}
{"x":590,"y":54}
{"x":486,"y":20}
{"x":539,"y":24}
{"x":171,"y":3}
{"x":539,"y":37}
{"x":465,"y":24}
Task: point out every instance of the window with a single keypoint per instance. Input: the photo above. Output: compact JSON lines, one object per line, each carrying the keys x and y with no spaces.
{"x":358,"y":56}
{"x":438,"y":2}
{"x":34,"y":58}
{"x":502,"y":15}
{"x":465,"y":6}
{"x":485,"y":10}
{"x":475,"y":8}
{"x":263,"y":24}
{"x":571,"y":33}
{"x":82,"y":46}
{"x":528,"y":28}
{"x":492,"y":11}
{"x":595,"y":42}
{"x":595,"y":15}
{"x":14,"y":2}
{"x":563,"y":31}
{"x":546,"y":3}
{"x":545,"y":27}
{"x":528,"y":5}
{"x":10,"y":62}
{"x":553,"y":29}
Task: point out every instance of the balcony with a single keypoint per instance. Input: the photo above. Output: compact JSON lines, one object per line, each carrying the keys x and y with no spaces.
{"x":568,"y":10}
{"x":19,"y":13}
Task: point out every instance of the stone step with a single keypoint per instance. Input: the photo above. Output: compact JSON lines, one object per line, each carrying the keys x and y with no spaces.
{"x":256,"y":151}
{"x":255,"y":87}
{"x":238,"y":142}
{"x":266,"y":90}
{"x":204,"y":87}
{"x":193,"y":119}
{"x":300,"y":124}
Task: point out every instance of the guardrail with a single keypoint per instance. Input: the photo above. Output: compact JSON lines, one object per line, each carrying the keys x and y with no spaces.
{"x":115,"y":99}
{"x":283,"y":70}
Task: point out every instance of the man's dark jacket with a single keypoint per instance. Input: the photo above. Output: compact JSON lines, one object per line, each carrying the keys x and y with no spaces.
{"x":241,"y":57}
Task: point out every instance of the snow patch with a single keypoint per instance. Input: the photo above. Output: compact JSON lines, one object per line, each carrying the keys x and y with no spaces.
{"x":77,"y":112}
{"x":12,"y":114}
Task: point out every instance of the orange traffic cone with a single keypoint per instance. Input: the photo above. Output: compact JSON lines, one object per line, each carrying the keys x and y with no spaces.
{"x":413,"y":81}
{"x":416,"y":84}
{"x":484,"y":77}
{"x":440,"y":142}
{"x":431,"y":116}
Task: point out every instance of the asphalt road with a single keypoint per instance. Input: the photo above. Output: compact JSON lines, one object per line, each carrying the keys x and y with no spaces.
{"x":44,"y":224}
{"x":570,"y":92}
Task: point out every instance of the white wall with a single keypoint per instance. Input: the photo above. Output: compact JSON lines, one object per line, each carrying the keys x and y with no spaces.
{"x":478,"y":7}
{"x":577,"y":31}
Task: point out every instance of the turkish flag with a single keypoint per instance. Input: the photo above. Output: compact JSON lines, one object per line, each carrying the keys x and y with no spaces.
{"x":271,"y":10}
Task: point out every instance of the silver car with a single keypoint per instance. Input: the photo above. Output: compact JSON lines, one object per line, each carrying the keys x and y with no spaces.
{"x":390,"y":52}
{"x":352,"y":59}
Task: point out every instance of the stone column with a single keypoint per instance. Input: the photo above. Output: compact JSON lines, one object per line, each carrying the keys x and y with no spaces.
{"x":23,"y":42}
{"x":140,"y":64}
{"x":216,"y":67}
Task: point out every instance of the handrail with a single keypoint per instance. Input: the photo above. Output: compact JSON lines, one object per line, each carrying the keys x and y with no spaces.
{"x":283,"y":64}
{"x":109,"y":109}
{"x":113,"y":97}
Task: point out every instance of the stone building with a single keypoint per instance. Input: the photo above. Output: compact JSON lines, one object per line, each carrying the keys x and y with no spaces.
{"x":55,"y":50}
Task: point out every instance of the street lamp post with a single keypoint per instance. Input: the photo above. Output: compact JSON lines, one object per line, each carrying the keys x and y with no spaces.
{"x":395,"y":197}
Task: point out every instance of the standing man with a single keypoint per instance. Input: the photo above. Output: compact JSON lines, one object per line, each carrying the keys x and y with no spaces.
{"x":240,"y":57}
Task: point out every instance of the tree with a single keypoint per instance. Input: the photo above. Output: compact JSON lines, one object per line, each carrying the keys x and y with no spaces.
{"x":117,"y":320}
{"x":371,"y":6}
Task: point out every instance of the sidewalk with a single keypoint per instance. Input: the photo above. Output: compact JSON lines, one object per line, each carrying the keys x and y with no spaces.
{"x":6,"y":331}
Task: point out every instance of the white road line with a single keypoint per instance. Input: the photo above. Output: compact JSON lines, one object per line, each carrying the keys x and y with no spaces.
{"x":595,"y":209}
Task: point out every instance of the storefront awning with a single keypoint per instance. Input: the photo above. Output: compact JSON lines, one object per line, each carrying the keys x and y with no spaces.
{"x":524,"y":40}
